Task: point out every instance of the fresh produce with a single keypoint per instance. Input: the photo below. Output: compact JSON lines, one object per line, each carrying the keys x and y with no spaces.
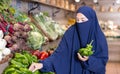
{"x":7,"y":11}
{"x":35,"y":40}
{"x":86,"y":51}
{"x":6,"y":27}
{"x":14,"y":26}
{"x":35,"y":37}
{"x":41,"y":55}
{"x":20,"y":64}
{"x":18,"y":40}
{"x":6,"y":51}
{"x":21,"y":17}
{"x":43,"y":24}
{"x":2,"y":44}
{"x":3,"y":50}
{"x":51,"y":29}
{"x":58,"y":29}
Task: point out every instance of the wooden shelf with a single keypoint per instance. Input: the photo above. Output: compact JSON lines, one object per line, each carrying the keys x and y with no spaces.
{"x":49,"y":5}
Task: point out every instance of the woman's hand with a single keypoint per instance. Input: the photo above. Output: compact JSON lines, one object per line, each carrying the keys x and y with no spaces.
{"x":84,"y":58}
{"x":35,"y":66}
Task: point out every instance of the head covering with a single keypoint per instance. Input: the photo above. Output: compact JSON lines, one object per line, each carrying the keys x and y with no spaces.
{"x":65,"y":60}
{"x":87,"y":29}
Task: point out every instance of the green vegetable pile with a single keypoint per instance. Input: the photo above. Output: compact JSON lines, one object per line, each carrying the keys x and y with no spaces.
{"x":6,"y":10}
{"x":35,"y":38}
{"x":20,"y":63}
{"x":48,"y":26}
{"x":86,"y":51}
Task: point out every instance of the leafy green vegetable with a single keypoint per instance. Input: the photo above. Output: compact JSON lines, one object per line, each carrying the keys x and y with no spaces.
{"x":7,"y":11}
{"x":45,"y":22}
{"x":21,"y":17}
{"x":36,"y":38}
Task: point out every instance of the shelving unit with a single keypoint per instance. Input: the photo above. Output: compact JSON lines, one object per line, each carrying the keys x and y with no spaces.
{"x":55,"y":6}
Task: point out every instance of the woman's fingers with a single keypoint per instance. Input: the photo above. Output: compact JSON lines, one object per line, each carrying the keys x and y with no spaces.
{"x":31,"y":68}
{"x":85,"y":58}
{"x":79,"y":56}
{"x":35,"y":66}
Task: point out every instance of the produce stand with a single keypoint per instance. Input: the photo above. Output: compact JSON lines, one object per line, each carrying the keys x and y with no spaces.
{"x":22,"y":33}
{"x":39,"y":33}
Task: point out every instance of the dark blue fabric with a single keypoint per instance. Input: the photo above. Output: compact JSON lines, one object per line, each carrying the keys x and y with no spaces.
{"x":65,"y":61}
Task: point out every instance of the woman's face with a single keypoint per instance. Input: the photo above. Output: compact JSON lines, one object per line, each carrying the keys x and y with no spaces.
{"x":81,"y":18}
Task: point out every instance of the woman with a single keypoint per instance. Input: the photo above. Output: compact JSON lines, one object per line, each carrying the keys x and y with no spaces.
{"x":66,"y":60}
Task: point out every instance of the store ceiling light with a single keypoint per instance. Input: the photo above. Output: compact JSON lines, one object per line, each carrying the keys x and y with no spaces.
{"x":95,"y":1}
{"x":118,"y":1}
{"x":77,"y":0}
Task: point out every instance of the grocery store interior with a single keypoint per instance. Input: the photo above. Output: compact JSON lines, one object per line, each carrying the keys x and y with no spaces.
{"x":37,"y":26}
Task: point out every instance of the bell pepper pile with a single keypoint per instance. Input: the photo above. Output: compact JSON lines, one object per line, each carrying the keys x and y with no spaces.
{"x":20,"y":64}
{"x":86,"y":51}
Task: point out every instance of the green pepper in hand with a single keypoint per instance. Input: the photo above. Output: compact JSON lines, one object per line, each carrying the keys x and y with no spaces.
{"x":86,"y":51}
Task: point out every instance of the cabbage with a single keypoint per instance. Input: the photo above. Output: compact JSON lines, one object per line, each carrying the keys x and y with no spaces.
{"x":35,"y":40}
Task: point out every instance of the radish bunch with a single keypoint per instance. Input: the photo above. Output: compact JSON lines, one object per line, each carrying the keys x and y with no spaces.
{"x":18,"y":40}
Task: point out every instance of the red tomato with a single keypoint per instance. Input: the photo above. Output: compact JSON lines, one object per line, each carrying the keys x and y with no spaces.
{"x":43,"y":55}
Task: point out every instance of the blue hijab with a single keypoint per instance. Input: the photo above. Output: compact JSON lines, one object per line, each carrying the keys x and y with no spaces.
{"x":65,"y":61}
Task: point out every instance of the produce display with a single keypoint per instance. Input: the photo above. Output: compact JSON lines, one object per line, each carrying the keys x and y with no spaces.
{"x":18,"y":39}
{"x":5,"y":26}
{"x":18,"y":34}
{"x":20,"y":64}
{"x":48,"y":26}
{"x":86,"y":51}
{"x":15,"y":32}
{"x":7,"y":11}
{"x":35,"y":37}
